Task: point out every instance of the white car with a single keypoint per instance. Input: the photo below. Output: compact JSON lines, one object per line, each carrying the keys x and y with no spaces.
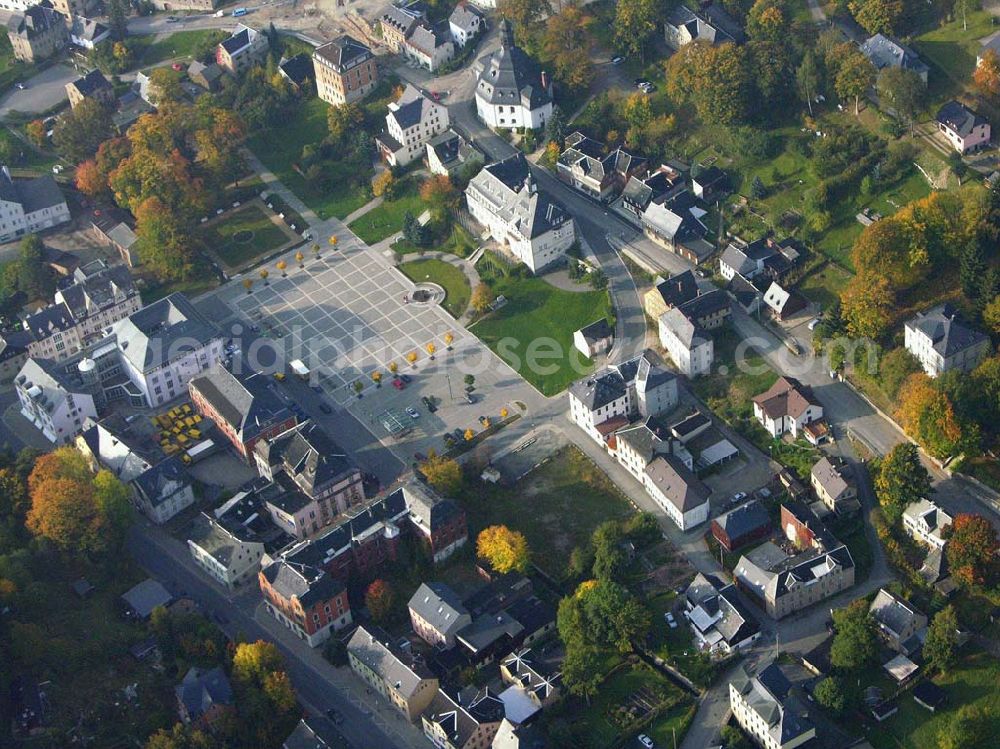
{"x":646,"y":741}
{"x":413,"y":413}
{"x":813,"y":323}
{"x":739,"y":497}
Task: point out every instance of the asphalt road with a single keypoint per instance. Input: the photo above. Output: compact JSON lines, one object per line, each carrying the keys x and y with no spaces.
{"x":168,"y":561}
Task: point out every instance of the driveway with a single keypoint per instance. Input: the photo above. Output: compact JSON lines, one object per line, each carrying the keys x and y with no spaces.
{"x":43,"y":91}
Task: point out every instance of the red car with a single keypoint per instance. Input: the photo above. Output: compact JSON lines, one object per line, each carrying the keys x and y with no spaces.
{"x":398,"y":384}
{"x":177,"y":66}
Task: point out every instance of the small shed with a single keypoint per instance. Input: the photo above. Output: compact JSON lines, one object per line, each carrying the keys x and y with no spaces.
{"x":146,"y":596}
{"x":929,"y":695}
{"x":82,"y":587}
{"x":901,"y":668}
{"x":594,"y":339}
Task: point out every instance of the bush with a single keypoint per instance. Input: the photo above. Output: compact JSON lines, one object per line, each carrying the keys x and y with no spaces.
{"x":335,"y":652}
{"x":752,"y":143}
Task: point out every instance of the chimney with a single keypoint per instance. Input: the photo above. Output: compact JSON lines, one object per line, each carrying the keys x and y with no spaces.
{"x":545,"y":80}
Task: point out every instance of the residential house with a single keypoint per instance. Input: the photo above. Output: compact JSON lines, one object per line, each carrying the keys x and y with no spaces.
{"x":594,"y":339}
{"x":203,"y":696}
{"x":720,"y":622}
{"x":965,"y":130}
{"x":833,"y":482}
{"x":245,"y":48}
{"x":209,"y":77}
{"x":307,"y":600}
{"x":466,"y":22}
{"x":163,"y":490}
{"x":925,"y":521}
{"x":452,"y":723}
{"x":96,"y":297}
{"x":397,"y":23}
{"x":511,"y":735}
{"x":782,"y":302}
{"x":505,"y":198}
{"x":586,"y":166}
{"x":786,"y":584}
{"x":398,"y":676}
{"x":742,"y":526}
{"x":36,"y":33}
{"x":449,"y":154}
{"x":675,"y":224}
{"x":310,"y":733}
{"x":656,"y":186}
{"x":143,"y":598}
{"x":702,"y":440}
{"x":884,"y":52}
{"x":437,"y":614}
{"x":86,"y":32}
{"x":786,"y":406}
{"x":345,"y":71}
{"x":608,"y":400}
{"x":412,"y":121}
{"x":685,"y":331}
{"x":297,"y":70}
{"x":245,"y":408}
{"x":91,"y":86}
{"x":899,"y":622}
{"x":680,"y":493}
{"x":709,"y":184}
{"x":759,"y":704}
{"x":511,"y":92}
{"x":942,"y":340}
{"x":537,"y":618}
{"x":56,"y":404}
{"x":711,"y":24}
{"x":762,"y":256}
{"x":115,"y":228}
{"x":672,"y":292}
{"x":13,"y":353}
{"x":28,"y":206}
{"x":429,"y":47}
{"x":314,"y":481}
{"x":230,"y":555}
{"x":531,"y":686}
{"x":439,"y":523}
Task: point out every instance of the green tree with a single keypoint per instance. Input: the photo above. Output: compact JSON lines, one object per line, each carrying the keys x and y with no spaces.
{"x":855,"y":74}
{"x":581,"y":671}
{"x":830,"y":694}
{"x":854,"y":642}
{"x":164,"y":242}
{"x":972,"y":548}
{"x":33,"y":276}
{"x":767,"y":21}
{"x":635,"y":23}
{"x":524,"y":14}
{"x":807,"y":79}
{"x":733,"y":738}
{"x":343,"y":119}
{"x":610,"y":559}
{"x":637,"y":111}
{"x":118,"y":19}
{"x":972,"y":266}
{"x":555,"y":128}
{"x":81,"y":130}
{"x":942,"y":639}
{"x":757,"y":189}
{"x":380,"y":600}
{"x":566,"y":42}
{"x":971,"y":727}
{"x":877,"y":16}
{"x":904,"y":91}
{"x":901,"y":480}
{"x":165,"y":85}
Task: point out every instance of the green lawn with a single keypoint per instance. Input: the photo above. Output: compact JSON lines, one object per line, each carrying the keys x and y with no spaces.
{"x":24,"y":155}
{"x":972,"y":682}
{"x":556,"y":506}
{"x":387,"y":218}
{"x":11,"y":71}
{"x":534,"y":331}
{"x":202,"y":279}
{"x":281,"y":150}
{"x":676,"y":646}
{"x":244,"y":235}
{"x":728,"y":391}
{"x":151,"y":51}
{"x":452,"y":279}
{"x":952,"y":49}
{"x":459,"y":242}
{"x":824,"y":285}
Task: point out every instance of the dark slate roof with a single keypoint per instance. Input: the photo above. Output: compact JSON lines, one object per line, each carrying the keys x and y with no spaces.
{"x":766,"y":693}
{"x":597,"y":330}
{"x":744,"y":520}
{"x":343,"y":51}
{"x":146,"y":596}
{"x":509,"y":76}
{"x":885,"y":52}
{"x":947,"y":330}
{"x":532,"y":613}
{"x":410,"y":113}
{"x":929,"y":693}
{"x":957,"y":117}
{"x":310,"y":585}
{"x":706,"y":304}
{"x":36,"y":20}
{"x":38,"y":193}
{"x":677,"y":483}
{"x":156,"y":483}
{"x":237,"y":41}
{"x":709,"y":177}
{"x":438,"y":605}
{"x":248,"y":404}
{"x":314,"y":733}
{"x":297,"y":69}
{"x":309,"y":456}
{"x":91,"y":82}
{"x":201,"y":689}
{"x":678,"y":289}
{"x":49,"y":320}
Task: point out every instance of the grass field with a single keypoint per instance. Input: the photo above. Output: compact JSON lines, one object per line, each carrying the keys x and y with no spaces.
{"x":387,"y":219}
{"x":279,"y":151}
{"x":557,"y":507}
{"x":450,"y":278}
{"x":538,"y":323}
{"x":953,"y":49}
{"x":824,"y":285}
{"x":458,"y":242}
{"x":202,"y":279}
{"x":972,"y":682}
{"x":244,"y":235}
{"x":152,"y":51}
{"x":728,"y":392}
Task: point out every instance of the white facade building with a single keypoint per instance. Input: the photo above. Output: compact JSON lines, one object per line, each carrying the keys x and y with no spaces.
{"x":690,"y":348}
{"x":411,"y":123}
{"x":925,"y":522}
{"x":942,"y":341}
{"x":29,"y":205}
{"x":229,"y":560}
{"x":758,"y":705}
{"x":505,"y":199}
{"x":511,"y":91}
{"x":55,"y":404}
{"x":465,"y":24}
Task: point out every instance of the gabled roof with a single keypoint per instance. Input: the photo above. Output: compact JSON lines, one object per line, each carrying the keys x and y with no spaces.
{"x":309,"y":585}
{"x":893,"y":614}
{"x":426,"y":40}
{"x":411,"y":108}
{"x":342,"y":52}
{"x":247,"y":404}
{"x":146,"y":596}
{"x":833,"y":477}
{"x":786,"y":397}
{"x":242,"y":38}
{"x":884,"y":52}
{"x":440,"y":607}
{"x":91,"y":82}
{"x":678,"y":289}
{"x":201,"y":689}
{"x":465,"y":16}
{"x":297,"y":69}
{"x":745,"y":519}
{"x":597,"y":331}
{"x":677,"y":483}
{"x":398,"y":670}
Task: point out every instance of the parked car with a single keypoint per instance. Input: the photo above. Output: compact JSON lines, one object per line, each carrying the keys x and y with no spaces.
{"x":469,"y":398}
{"x":429,"y":404}
{"x":325,"y":409}
{"x":334,"y":716}
{"x":617,"y":60}
{"x":412,"y":412}
{"x":317,"y":389}
{"x":645,"y":741}
{"x":813,"y":323}
{"x":419,"y":457}
{"x":406,"y":378}
{"x":398,"y":384}
{"x":739,"y":497}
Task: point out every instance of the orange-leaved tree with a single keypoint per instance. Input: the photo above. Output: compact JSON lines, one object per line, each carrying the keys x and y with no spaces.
{"x":504,"y":549}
